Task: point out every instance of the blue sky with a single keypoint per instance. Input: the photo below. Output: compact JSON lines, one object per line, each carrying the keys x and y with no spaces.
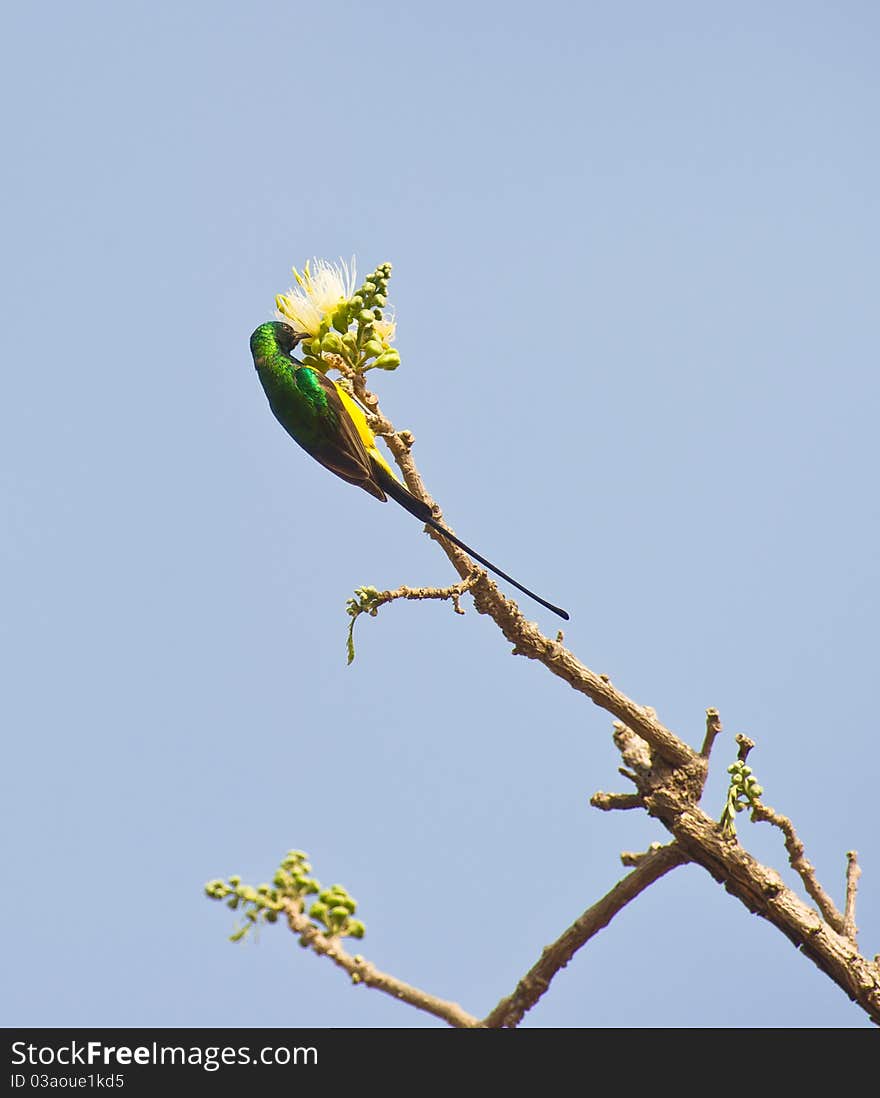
{"x":635,"y":257}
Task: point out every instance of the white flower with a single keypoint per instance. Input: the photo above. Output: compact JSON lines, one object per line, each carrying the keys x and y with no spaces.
{"x":385,"y":329}
{"x":321,"y":287}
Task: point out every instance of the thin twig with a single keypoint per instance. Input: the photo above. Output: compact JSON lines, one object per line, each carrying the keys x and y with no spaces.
{"x":362,"y":972}
{"x":713,"y":728}
{"x":797,"y":859}
{"x":454,"y":592}
{"x":853,"y":872}
{"x":510,"y":1010}
{"x":636,"y":857}
{"x":368,"y":600}
{"x":745,"y":746}
{"x":610,"y":801}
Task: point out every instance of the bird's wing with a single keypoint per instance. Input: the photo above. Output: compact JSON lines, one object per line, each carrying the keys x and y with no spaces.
{"x":344,"y":454}
{"x":363,"y":429}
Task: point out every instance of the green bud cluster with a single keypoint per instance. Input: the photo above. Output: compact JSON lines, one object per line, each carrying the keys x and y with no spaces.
{"x":292,"y":882}
{"x":366,"y":601}
{"x":333,"y":909}
{"x":350,"y":333}
{"x":742,"y":793}
{"x":292,"y":879}
{"x":373,"y":294}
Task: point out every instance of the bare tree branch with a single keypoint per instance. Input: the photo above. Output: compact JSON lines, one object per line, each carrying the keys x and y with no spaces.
{"x":510,"y":1011}
{"x":362,"y":972}
{"x":669,"y":776}
{"x":853,"y":872}
{"x":763,"y":892}
{"x":610,"y":801}
{"x":713,"y":728}
{"x":454,"y":592}
{"x":636,"y":857}
{"x":798,"y":860}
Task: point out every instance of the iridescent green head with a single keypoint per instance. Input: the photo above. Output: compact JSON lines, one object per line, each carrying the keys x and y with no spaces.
{"x":272,"y":337}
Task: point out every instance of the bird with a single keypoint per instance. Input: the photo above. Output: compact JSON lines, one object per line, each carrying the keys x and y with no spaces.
{"x":331,"y":426}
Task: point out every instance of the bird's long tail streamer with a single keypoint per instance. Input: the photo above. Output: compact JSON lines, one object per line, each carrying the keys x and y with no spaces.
{"x":422,"y":512}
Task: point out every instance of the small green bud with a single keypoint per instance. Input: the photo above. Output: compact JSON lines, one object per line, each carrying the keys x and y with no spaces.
{"x":373,"y":348}
{"x":369,"y":287}
{"x":331,"y":342}
{"x":379,"y":301}
{"x":757,"y":791}
{"x":341,"y":318}
{"x":232,"y":903}
{"x":235,"y":881}
{"x":390,"y":360}
{"x":365,"y":317}
{"x":271,"y":916}
{"x":356,"y":929}
{"x":340,"y":913}
{"x":349,"y":341}
{"x":357,"y":302}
